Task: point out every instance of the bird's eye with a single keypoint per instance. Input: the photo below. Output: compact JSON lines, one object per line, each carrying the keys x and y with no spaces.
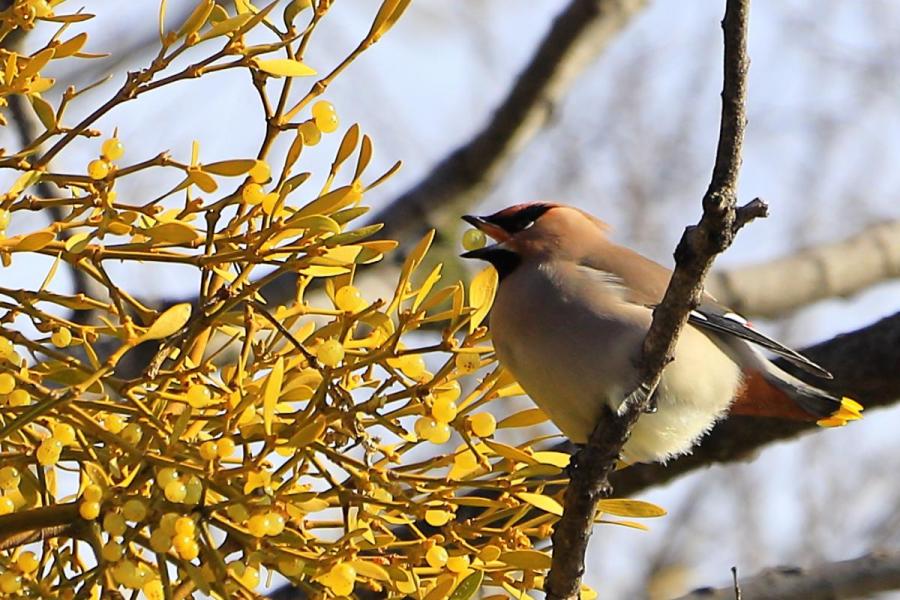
{"x":528,"y":225}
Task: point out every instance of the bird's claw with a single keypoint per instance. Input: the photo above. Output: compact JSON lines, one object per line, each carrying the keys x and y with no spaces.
{"x":639,"y":397}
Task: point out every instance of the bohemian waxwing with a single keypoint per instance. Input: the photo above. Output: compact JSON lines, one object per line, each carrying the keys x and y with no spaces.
{"x":569,"y":319}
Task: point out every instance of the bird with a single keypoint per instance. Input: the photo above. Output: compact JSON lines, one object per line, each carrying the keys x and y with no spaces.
{"x":569,"y":318}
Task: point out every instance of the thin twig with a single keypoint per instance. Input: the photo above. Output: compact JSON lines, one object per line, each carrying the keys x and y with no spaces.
{"x":695,"y":253}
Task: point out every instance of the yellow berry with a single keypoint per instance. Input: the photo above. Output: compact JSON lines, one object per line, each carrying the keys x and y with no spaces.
{"x":92,"y":493}
{"x":61,"y":337}
{"x":48,"y":452}
{"x":225,"y":447}
{"x":443,"y":411}
{"x":253,"y":194}
{"x":19,"y":397}
{"x":112,"y":551}
{"x":208,"y":450}
{"x":436,"y":517}
{"x":132,"y":433}
{"x":89,"y":510}
{"x":325,"y":116}
{"x":10,"y":582}
{"x":153,"y":590}
{"x":269,"y":202}
{"x":322,"y":109}
{"x":483,"y":424}
{"x":193,"y":490}
{"x":489,"y":553}
{"x":199,"y":396}
{"x":167,"y":522}
{"x":310,"y":133}
{"x":258,"y":525}
{"x":7,"y":383}
{"x":125,"y":572}
{"x":113,"y":422}
{"x":290,"y":567}
{"x":467,"y":362}
{"x":112,"y":149}
{"x":175,"y":491}
{"x":114,"y":524}
{"x":330,"y":353}
{"x":7,"y":350}
{"x":4,"y":219}
{"x":165,"y":476}
{"x":63,"y":432}
{"x":440,"y":434}
{"x":10,"y":478}
{"x":448,"y":391}
{"x":160,"y":541}
{"x":27,"y":562}
{"x":237,"y":513}
{"x":98,"y":168}
{"x":342,"y":573}
{"x":261,"y":172}
{"x":134,"y":510}
{"x":6,"y":505}
{"x":275,"y":524}
{"x":473,"y":239}
{"x":458,"y":564}
{"x":349,"y":298}
{"x":436,"y":557}
{"x":413,"y":366}
{"x":424,"y":426}
{"x":186,"y":547}
{"x":185,"y":526}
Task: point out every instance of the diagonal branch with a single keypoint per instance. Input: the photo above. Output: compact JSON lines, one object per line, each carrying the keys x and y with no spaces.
{"x":694,"y":256}
{"x":856,"y":578}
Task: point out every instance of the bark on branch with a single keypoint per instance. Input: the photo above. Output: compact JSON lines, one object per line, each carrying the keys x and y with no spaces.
{"x":826,"y":271}
{"x":857,"y":578}
{"x":695,"y":253}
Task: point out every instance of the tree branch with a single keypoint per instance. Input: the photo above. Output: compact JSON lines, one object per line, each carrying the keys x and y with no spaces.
{"x":870,"y":574}
{"x":830,"y":270}
{"x":578,"y":34}
{"x":694,"y":256}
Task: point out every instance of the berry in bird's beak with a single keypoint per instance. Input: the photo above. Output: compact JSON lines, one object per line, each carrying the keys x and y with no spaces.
{"x":483,"y":224}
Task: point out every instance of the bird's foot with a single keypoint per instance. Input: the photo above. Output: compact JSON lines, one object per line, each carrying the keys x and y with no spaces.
{"x":642,"y":396}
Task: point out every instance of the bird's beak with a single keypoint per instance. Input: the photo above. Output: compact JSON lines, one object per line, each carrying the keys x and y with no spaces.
{"x":493,"y":231}
{"x":497,"y":233}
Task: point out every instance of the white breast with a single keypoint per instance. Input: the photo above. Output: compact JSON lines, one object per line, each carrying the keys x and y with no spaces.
{"x":570,"y":340}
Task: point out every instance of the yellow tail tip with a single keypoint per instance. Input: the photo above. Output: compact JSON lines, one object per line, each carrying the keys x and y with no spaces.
{"x":850,"y":410}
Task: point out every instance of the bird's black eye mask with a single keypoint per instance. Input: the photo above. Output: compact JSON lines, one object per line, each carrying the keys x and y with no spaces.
{"x":519,"y":220}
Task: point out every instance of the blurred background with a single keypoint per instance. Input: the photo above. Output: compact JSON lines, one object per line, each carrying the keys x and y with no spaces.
{"x":631,"y":139}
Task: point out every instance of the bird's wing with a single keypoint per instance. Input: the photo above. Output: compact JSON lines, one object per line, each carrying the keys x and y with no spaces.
{"x":714,"y":317}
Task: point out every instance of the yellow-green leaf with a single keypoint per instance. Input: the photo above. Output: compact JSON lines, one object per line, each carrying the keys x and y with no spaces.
{"x":173,"y":319}
{"x":545,"y":503}
{"x":230,"y":168}
{"x":173,"y":233}
{"x":70,"y":46}
{"x":33,"y":241}
{"x":557,"y":459}
{"x":348,"y":145}
{"x":442,"y":589}
{"x":630,"y":508}
{"x":227,"y":26}
{"x":468,"y":586}
{"x":427,"y":285}
{"x":197,"y":18}
{"x":328,"y":203}
{"x":530,"y":560}
{"x":525,"y":418}
{"x":202,"y":180}
{"x":370,"y":570}
{"x":481,"y":295}
{"x":284,"y":67}
{"x":271,"y":391}
{"x":511,"y":453}
{"x":308,"y":433}
{"x":44,"y":111}
{"x":78,"y":242}
{"x":631,"y":524}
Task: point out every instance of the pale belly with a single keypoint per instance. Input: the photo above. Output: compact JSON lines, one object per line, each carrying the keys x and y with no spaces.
{"x":572,"y":359}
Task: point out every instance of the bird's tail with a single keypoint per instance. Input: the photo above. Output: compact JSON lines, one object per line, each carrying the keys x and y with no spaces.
{"x":771,"y":392}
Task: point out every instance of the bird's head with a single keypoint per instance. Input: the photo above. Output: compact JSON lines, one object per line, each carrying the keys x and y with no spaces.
{"x":537,"y":230}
